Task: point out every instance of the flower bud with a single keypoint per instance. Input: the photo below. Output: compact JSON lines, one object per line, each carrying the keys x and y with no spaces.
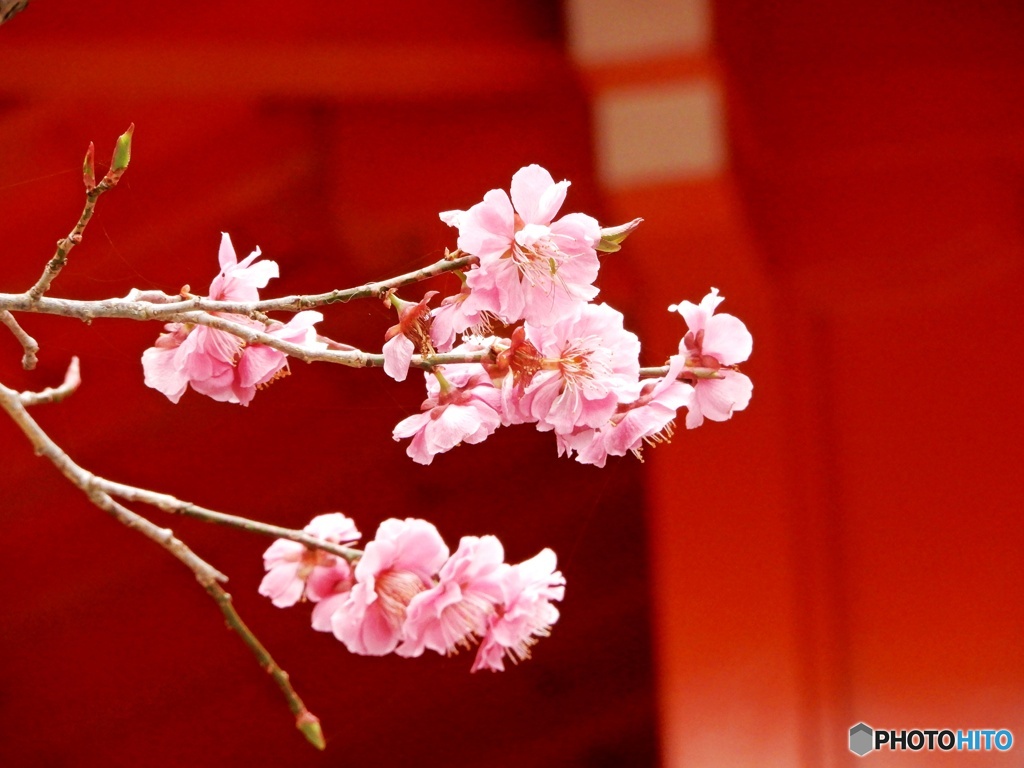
{"x":309,"y":724}
{"x":122,"y":151}
{"x":89,"y":168}
{"x":612,"y":237}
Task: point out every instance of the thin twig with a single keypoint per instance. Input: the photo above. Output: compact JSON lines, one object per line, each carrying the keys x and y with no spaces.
{"x":118,"y":165}
{"x":64,"y":245}
{"x":72,"y":379}
{"x":654,"y":372}
{"x":206,"y":574}
{"x":353,"y":359}
{"x":152,"y":305}
{"x":689,"y":372}
{"x":169,"y":503}
{"x":163,"y":536}
{"x":305,"y":720}
{"x":30,"y":345}
{"x":11,"y":401}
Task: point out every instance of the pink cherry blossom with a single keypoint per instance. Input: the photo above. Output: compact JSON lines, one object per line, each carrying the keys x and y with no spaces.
{"x":530,"y":266}
{"x":590,"y":365}
{"x":398,"y":564}
{"x":258,"y":365}
{"x":410,"y":333}
{"x":295,"y":572}
{"x":240,"y":280}
{"x":181,"y":357}
{"x":525,"y":612}
{"x":322,"y":617}
{"x":713,"y":344}
{"x":466,"y":409}
{"x":219,"y":364}
{"x":455,"y":610}
{"x":649,"y":419}
{"x":455,"y":315}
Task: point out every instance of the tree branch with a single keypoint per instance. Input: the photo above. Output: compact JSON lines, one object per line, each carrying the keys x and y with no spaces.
{"x":64,"y":246}
{"x":96,"y":489}
{"x":31,"y":347}
{"x":72,"y":379}
{"x":305,"y":720}
{"x":169,"y":503}
{"x":153,"y":305}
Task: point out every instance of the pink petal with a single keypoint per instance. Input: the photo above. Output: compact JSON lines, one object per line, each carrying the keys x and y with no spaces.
{"x":727,"y":339}
{"x":323,"y":612}
{"x":535,"y":195}
{"x":486,"y":230}
{"x":226,"y":255}
{"x":576,"y":234}
{"x":397,"y":357}
{"x":282,"y":585}
{"x":219,"y":384}
{"x":716,"y":399}
{"x":452,"y":218}
{"x":447,"y":431}
{"x":411,"y":425}
{"x":258,"y":364}
{"x":282,"y":550}
{"x":334,"y":526}
{"x":162,"y":374}
{"x":377,"y":635}
{"x":325,"y":581}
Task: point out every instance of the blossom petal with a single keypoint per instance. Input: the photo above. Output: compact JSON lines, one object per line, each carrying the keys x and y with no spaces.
{"x":397,"y":357}
{"x":282,"y":585}
{"x":226,"y":255}
{"x":716,"y":399}
{"x":727,"y":338}
{"x":535,"y":194}
{"x":486,"y":230}
{"x":162,"y":374}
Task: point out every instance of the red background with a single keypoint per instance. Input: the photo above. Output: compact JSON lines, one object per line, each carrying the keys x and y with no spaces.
{"x":847,"y":549}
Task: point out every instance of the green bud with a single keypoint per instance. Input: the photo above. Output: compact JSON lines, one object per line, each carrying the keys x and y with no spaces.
{"x":612,"y":237}
{"x":123,"y":150}
{"x":309,"y":724}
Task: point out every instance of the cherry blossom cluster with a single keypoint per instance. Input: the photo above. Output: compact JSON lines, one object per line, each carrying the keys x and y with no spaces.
{"x":566,"y":365}
{"x":405,"y":592}
{"x":542,"y":351}
{"x":219,"y":364}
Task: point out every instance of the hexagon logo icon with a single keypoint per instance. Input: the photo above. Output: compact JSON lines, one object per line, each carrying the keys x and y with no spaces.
{"x":861,"y":739}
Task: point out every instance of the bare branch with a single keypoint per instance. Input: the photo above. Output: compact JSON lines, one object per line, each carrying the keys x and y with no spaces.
{"x":305,"y":720}
{"x":31,"y":347}
{"x":154,"y":305}
{"x":122,"y":155}
{"x":162,"y":536}
{"x":10,"y":8}
{"x":353,"y":359}
{"x":169,"y":503}
{"x":64,"y":246}
{"x":689,"y":372}
{"x":95,"y":489}
{"x":72,"y":380}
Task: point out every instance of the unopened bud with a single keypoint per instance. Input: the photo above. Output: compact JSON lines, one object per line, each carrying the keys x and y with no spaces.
{"x":89,"y":168}
{"x":612,"y":237}
{"x":123,"y":150}
{"x":309,"y":724}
